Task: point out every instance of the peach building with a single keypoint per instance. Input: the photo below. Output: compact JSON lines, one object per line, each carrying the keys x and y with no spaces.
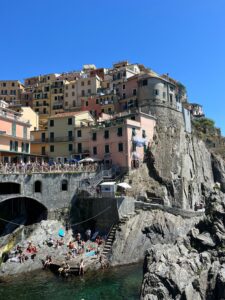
{"x":14,"y":135}
{"x":123,"y":139}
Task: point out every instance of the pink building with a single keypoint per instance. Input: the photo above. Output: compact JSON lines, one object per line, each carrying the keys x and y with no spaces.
{"x":127,"y":92}
{"x":14,"y":134}
{"x":122,"y":140}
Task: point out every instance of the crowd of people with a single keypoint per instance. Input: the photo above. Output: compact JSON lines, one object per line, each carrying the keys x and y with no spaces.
{"x":74,"y":251}
{"x":20,"y":254}
{"x":46,"y":167}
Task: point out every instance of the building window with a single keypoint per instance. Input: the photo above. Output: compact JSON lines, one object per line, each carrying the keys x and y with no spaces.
{"x":124,"y":86}
{"x":24,"y":132}
{"x":83,"y":93}
{"x":145,"y":82}
{"x":120,"y":147}
{"x":94,"y":150}
{"x":11,"y":145}
{"x":106,"y":134}
{"x":79,"y":133}
{"x":96,"y":101}
{"x":43,"y":136}
{"x":79,"y":147}
{"x":16,"y":146}
{"x":27,"y":147}
{"x":73,"y":94}
{"x":70,"y":121}
{"x":156,"y":92}
{"x":94,"y":136}
{"x":70,"y":135}
{"x":106,"y":148}
{"x":134,"y":92}
{"x":70,"y":147}
{"x":82,"y":83}
{"x":51,"y":136}
{"x":89,"y":91}
{"x":51,"y":123}
{"x":22,"y":147}
{"x":43,"y":150}
{"x":13,"y":129}
{"x":144,"y":134}
{"x":66,"y":94}
{"x":164,"y":95}
{"x":52,"y":148}
{"x":124,"y":96}
{"x":64,"y":186}
{"x":37,"y":186}
{"x":86,"y":103}
{"x":89,"y":82}
{"x":133,"y":131}
{"x":171,"y":98}
{"x":119,"y":131}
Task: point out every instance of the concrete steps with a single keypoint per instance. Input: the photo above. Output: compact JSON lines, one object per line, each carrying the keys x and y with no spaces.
{"x":111,"y":237}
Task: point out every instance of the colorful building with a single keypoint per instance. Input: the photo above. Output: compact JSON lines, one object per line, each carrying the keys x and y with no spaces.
{"x":122,"y":140}
{"x":10,"y":90}
{"x":14,"y":135}
{"x":64,"y":137}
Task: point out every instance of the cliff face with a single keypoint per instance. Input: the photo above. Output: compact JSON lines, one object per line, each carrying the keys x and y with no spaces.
{"x":178,"y":162}
{"x":192,"y":267}
{"x":145,"y":229}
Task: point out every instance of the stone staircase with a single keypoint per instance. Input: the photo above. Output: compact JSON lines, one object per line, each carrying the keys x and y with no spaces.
{"x":112,"y":233}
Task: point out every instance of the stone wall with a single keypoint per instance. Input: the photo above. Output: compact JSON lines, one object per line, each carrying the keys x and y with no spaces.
{"x":51,"y":195}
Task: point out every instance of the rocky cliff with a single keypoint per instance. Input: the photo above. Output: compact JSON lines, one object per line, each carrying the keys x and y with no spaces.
{"x":184,"y":172}
{"x":178,"y":162}
{"x":194,"y":266}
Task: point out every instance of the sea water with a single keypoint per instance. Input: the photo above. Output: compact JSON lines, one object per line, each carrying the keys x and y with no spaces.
{"x":115,"y":283}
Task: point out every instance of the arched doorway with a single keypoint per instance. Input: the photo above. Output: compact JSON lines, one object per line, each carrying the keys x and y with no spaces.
{"x":20,"y":211}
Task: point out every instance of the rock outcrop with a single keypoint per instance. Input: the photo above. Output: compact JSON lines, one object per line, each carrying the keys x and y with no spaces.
{"x":145,"y":229}
{"x":194,"y":266}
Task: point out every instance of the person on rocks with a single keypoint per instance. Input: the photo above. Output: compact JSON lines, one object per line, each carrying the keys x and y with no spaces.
{"x":88,"y":234}
{"x":99,"y":240}
{"x":78,"y":238}
{"x":68,"y":255}
{"x":103,"y":262}
{"x":47,"y":262}
{"x":31,"y":248}
{"x":64,"y":269}
{"x":81,"y":268}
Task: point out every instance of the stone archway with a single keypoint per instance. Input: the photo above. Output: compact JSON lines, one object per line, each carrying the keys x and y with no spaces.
{"x":15,"y":211}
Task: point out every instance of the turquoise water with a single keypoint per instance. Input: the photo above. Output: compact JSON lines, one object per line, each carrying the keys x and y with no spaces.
{"x":117,"y":284}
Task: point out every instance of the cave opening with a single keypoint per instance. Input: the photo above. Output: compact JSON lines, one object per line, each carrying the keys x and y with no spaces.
{"x":20,"y":211}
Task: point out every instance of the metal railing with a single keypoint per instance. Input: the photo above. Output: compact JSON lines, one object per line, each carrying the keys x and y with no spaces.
{"x":45,"y":168}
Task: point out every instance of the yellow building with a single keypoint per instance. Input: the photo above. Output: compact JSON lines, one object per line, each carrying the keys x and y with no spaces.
{"x":66,"y":137}
{"x":41,"y":88}
{"x":10,"y":90}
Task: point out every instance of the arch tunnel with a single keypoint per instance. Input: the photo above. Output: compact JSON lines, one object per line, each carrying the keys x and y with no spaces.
{"x":17,"y":211}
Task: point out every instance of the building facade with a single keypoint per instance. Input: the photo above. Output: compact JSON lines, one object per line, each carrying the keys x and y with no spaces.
{"x":14,"y":135}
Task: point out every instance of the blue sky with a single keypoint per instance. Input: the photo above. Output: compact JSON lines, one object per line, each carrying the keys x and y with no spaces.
{"x":185,"y":38}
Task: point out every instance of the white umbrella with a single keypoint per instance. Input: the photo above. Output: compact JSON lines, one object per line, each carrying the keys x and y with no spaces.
{"x":124,"y":185}
{"x":87,"y":159}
